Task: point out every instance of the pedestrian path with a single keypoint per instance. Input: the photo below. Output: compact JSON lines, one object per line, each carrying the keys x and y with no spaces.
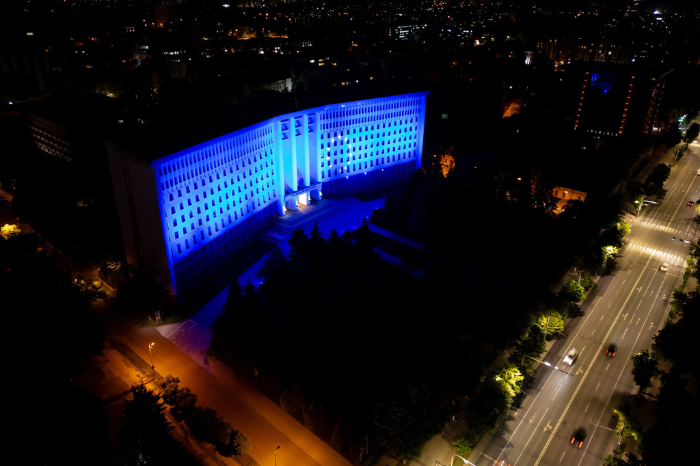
{"x":657,"y":226}
{"x":672,"y":257}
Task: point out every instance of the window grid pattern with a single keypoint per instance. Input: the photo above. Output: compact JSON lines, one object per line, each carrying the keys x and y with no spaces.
{"x":361,"y":137}
{"x":215,"y":196}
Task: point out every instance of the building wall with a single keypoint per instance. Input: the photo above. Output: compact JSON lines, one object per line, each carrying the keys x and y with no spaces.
{"x":50,"y":137}
{"x":190,"y":211}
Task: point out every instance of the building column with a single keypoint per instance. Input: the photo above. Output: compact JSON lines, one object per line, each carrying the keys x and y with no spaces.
{"x":307,"y":143}
{"x":279,"y":175}
{"x":421,"y":130}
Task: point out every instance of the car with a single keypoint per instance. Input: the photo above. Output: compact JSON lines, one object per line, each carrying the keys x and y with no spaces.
{"x":612,"y":349}
{"x":664,"y":267}
{"x":578,"y":437}
{"x":690,"y":203}
{"x":570,"y":358}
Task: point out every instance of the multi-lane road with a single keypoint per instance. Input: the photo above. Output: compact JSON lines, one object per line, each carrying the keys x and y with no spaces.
{"x":627,"y":309}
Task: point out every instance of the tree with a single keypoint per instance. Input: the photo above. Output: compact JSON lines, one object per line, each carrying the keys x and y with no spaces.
{"x":297,"y":241}
{"x":204,"y":424}
{"x":289,"y":402}
{"x":644,"y":369}
{"x":550,"y":322}
{"x":311,"y":417}
{"x":611,"y":460}
{"x":656,"y":179}
{"x":363,"y":239}
{"x":316,"y":234}
{"x":234,"y":298}
{"x":231,"y":442}
{"x":573,"y":211}
{"x":144,"y":433}
{"x":532,"y":345}
{"x":170,"y":387}
{"x":511,"y":379}
{"x":408,"y":421}
{"x":543,"y":194}
{"x":572,"y":292}
{"x":8,"y":231}
{"x":338,"y":441}
{"x":141,"y":291}
{"x":692,"y":133}
{"x":322,"y":417}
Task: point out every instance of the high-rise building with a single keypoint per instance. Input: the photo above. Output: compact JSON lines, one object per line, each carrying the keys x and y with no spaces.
{"x":619,"y":100}
{"x":191,"y":210}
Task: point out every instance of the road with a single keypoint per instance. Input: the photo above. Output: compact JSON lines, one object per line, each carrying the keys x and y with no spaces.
{"x":627,"y":309}
{"x":242,"y":406}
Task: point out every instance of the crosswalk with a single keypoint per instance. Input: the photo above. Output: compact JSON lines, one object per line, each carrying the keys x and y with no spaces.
{"x":672,"y":257}
{"x":659,"y":227}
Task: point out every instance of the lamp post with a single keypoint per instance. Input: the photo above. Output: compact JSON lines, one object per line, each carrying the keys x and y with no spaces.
{"x":276,"y":454}
{"x":639,"y":207}
{"x":150,"y":352}
{"x":619,"y":440}
{"x":437,"y":463}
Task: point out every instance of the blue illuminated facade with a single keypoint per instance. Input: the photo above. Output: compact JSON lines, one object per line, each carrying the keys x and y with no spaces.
{"x":191,"y":210}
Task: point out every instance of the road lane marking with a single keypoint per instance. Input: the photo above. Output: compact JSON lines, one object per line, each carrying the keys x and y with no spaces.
{"x":533,"y":418}
{"x":651,"y":326}
{"x":601,"y":317}
{"x":592,"y":332}
{"x":534,"y":402}
{"x":638,"y":319}
{"x":547,"y":427}
{"x":607,"y":367}
{"x":533,"y":433}
{"x":679,"y":204}
{"x":623,"y":335}
{"x":562,"y":456}
{"x":620,"y":374}
{"x":586,"y":410}
{"x":624,"y":316}
{"x":583,"y":379}
{"x":609,"y":304}
{"x":555,"y":395}
{"x":484,"y":454}
{"x":597,"y":386}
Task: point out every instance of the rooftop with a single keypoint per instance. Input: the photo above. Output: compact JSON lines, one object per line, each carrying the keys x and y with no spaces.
{"x":172,"y":130}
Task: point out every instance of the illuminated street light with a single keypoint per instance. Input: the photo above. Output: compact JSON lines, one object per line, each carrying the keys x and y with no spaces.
{"x":151,"y":353}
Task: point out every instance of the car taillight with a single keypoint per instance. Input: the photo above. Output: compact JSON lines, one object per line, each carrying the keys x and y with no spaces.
{"x":606,"y":351}
{"x":572,"y":440}
{"x":613,"y":355}
{"x":580,"y":444}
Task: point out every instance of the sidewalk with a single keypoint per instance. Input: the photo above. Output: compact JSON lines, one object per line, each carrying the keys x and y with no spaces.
{"x":237,"y":402}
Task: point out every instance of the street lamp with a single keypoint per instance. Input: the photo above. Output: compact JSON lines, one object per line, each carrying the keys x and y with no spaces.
{"x":619,"y":440}
{"x":151,"y":353}
{"x":276,"y":454}
{"x":437,"y":463}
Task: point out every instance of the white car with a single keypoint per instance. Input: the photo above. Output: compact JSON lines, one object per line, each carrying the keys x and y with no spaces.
{"x":664,"y":267}
{"x":571,"y":357}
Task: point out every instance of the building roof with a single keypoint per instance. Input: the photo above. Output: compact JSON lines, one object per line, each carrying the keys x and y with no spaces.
{"x":172,"y":131}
